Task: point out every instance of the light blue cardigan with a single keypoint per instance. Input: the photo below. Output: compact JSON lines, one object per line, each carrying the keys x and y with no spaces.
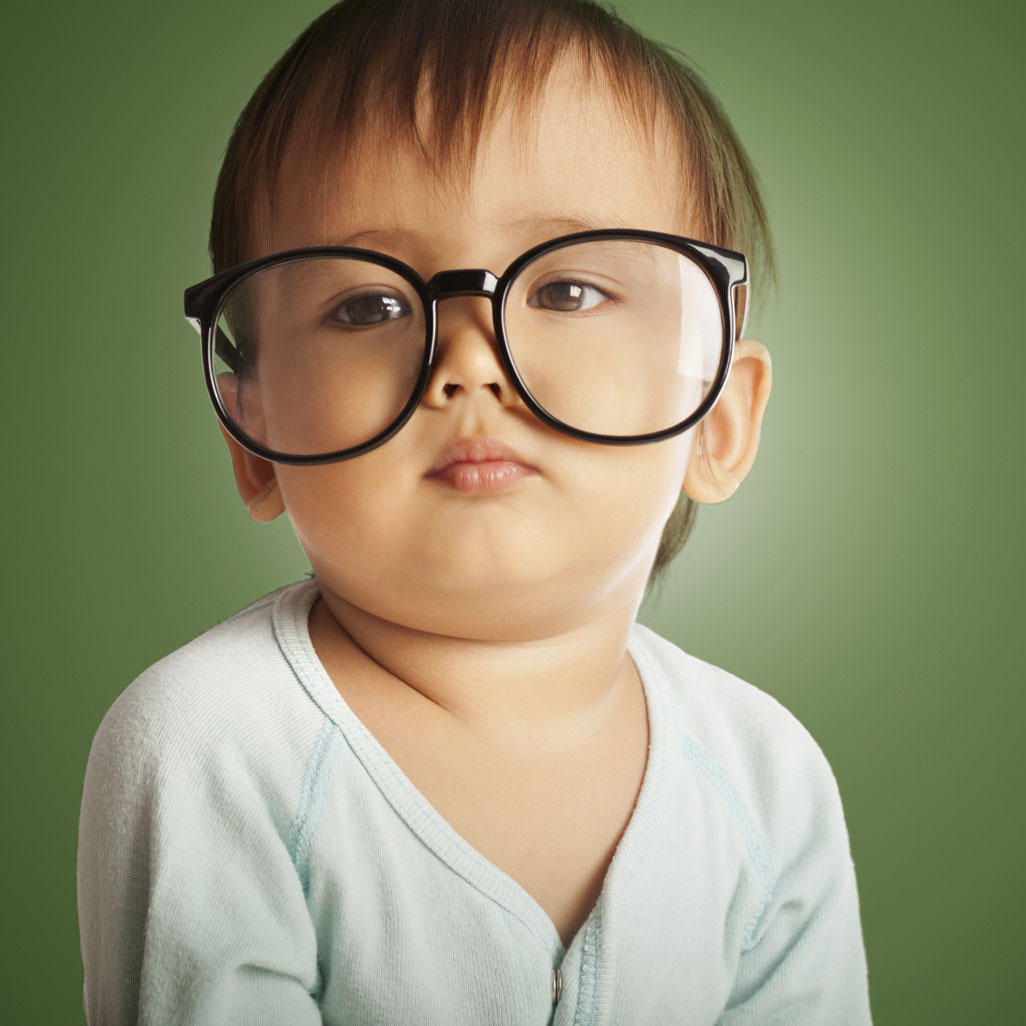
{"x":250,"y":854}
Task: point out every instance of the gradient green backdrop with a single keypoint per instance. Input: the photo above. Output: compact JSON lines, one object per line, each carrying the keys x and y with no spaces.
{"x":867,"y":574}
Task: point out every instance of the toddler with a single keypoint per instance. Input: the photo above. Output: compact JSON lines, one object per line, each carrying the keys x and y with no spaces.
{"x":476,"y":326}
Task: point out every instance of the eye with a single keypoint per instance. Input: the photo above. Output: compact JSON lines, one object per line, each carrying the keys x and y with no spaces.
{"x":567,"y":297}
{"x":370,"y":309}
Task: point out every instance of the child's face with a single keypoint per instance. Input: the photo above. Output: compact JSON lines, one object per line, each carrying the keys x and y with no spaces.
{"x":572,"y":535}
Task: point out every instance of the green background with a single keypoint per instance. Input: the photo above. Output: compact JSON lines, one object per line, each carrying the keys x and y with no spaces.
{"x":867,"y":574}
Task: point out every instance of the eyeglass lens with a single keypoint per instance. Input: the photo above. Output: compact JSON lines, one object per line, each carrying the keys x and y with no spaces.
{"x":617,"y":337}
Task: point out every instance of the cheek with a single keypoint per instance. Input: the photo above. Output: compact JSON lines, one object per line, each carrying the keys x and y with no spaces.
{"x":330,"y":508}
{"x":592,"y":529}
{"x":654,"y":475}
{"x":627,"y":505}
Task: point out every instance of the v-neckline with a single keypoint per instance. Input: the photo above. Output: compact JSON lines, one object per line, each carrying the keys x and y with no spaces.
{"x":291,"y":626}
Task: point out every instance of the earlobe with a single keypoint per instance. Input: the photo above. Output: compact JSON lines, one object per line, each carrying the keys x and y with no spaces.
{"x":254,"y":477}
{"x":728,"y":438}
{"x":256,"y":482}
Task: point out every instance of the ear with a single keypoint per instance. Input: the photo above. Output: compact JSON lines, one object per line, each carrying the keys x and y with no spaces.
{"x":254,"y":477}
{"x":728,"y":438}
{"x":255,"y":480}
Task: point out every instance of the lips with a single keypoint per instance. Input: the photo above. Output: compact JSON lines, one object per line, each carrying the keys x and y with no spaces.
{"x":480,"y":465}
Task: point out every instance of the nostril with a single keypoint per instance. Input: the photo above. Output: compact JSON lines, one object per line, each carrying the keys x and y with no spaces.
{"x":450,"y":389}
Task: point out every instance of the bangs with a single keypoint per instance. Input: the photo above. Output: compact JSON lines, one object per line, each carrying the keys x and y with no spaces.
{"x":433,"y":75}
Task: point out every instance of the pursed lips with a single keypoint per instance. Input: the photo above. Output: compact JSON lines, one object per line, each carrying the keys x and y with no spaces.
{"x":482,"y":464}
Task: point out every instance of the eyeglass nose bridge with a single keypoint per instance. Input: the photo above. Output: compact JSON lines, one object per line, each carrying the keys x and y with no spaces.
{"x":468,"y":282}
{"x":471,"y":282}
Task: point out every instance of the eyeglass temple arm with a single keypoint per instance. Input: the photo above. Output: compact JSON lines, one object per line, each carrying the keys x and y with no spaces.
{"x":732,"y":270}
{"x":222,"y":346}
{"x":229,"y":353}
{"x":739,"y":304}
{"x":197,"y":300}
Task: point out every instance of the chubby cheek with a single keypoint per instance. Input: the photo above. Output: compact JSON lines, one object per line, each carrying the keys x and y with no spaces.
{"x":624,"y":504}
{"x":334,"y":513}
{"x":586,"y":533}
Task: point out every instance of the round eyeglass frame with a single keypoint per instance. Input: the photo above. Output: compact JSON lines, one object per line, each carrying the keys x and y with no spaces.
{"x":726,"y":269}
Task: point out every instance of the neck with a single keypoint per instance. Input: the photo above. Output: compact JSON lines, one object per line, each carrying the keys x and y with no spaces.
{"x":562,"y":685}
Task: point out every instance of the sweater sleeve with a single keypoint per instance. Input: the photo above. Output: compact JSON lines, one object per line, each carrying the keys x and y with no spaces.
{"x":804,"y":963}
{"x":190,"y":908}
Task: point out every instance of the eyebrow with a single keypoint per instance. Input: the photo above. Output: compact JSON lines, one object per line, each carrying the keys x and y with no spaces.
{"x":558,"y":225}
{"x":375,"y":235}
{"x":533,"y":229}
{"x":544,"y":227}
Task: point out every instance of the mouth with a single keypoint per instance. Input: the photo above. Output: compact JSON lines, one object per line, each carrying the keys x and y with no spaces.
{"x":481,"y":464}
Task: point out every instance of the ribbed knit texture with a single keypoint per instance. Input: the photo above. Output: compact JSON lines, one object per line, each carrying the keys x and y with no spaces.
{"x":249,"y":853}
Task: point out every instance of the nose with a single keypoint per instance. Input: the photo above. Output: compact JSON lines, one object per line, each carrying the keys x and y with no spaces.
{"x":467,"y":360}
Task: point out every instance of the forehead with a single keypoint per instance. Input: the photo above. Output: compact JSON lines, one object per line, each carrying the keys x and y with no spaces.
{"x":575,"y":157}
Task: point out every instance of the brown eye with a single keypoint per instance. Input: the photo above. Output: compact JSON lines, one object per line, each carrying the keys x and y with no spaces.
{"x":369,"y":310}
{"x":567,"y":297}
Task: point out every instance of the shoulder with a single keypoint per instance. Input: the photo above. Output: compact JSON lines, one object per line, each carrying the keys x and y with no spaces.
{"x":761,"y":757}
{"x":733,"y":717}
{"x":801,"y":953}
{"x":187,"y":838}
{"x":225,"y":702}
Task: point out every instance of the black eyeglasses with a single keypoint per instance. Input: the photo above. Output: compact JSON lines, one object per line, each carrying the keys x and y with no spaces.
{"x":614,"y":336}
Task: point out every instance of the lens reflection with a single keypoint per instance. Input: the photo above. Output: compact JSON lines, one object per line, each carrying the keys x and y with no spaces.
{"x":320,"y":354}
{"x":616,"y":337}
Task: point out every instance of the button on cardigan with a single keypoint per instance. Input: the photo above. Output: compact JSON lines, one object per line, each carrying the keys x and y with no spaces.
{"x":249,"y":853}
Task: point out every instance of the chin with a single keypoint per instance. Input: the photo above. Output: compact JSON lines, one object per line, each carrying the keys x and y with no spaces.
{"x":491,"y":606}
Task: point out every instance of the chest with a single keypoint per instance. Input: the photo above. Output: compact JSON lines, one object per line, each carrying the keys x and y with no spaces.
{"x":551,"y":820}
{"x":410,"y":927}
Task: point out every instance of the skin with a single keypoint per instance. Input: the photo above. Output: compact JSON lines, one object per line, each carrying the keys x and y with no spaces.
{"x":497,"y":620}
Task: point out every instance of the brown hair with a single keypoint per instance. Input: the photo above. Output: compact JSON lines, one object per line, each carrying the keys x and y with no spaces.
{"x":376,"y":62}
